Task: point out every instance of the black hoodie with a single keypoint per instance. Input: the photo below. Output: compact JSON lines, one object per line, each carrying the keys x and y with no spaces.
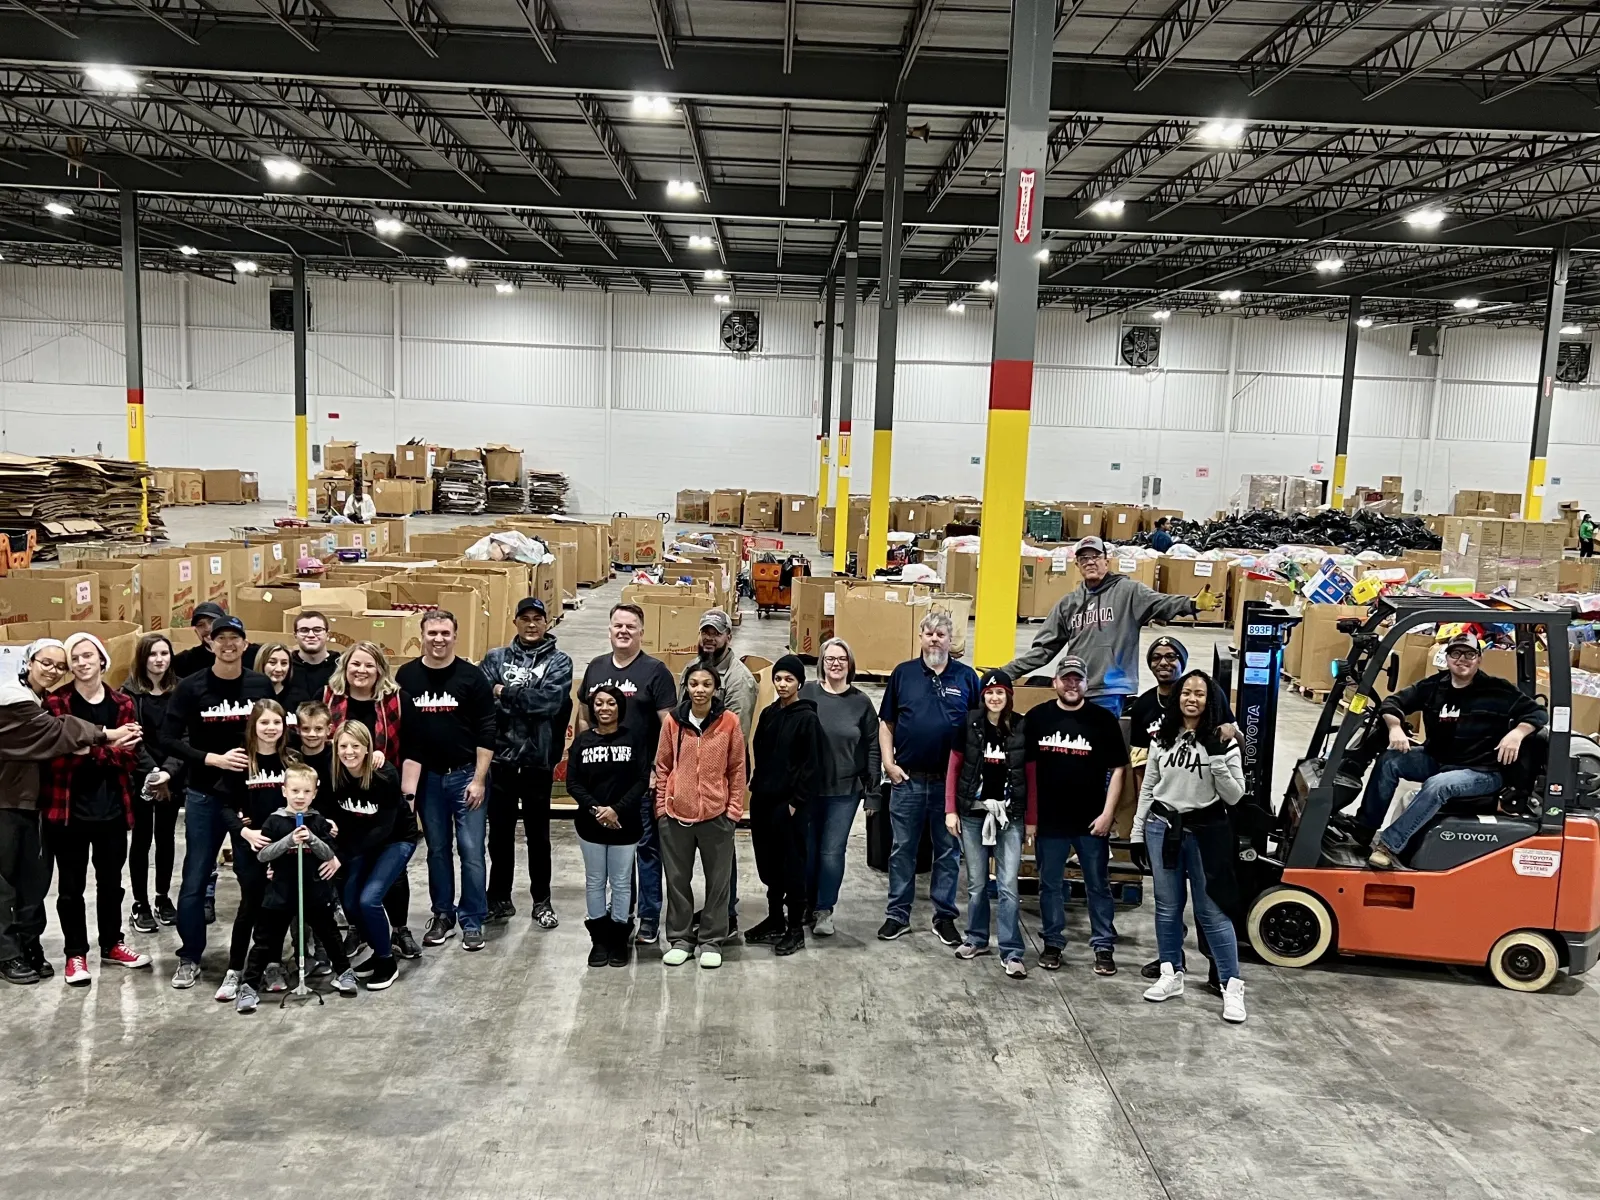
{"x":368,"y":818}
{"x":608,"y":771}
{"x":787,"y":748}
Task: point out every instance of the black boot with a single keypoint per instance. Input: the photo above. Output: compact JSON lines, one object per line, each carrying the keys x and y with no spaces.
{"x":768,"y":932}
{"x":620,"y":947}
{"x":599,"y":941}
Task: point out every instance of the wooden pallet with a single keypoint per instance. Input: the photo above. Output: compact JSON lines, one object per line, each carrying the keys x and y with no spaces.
{"x":1317,"y":695}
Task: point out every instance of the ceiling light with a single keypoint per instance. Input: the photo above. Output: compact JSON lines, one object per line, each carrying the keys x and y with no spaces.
{"x":957,"y":307}
{"x":57,"y":209}
{"x":1364,"y":322}
{"x":1043,"y":255}
{"x":1230,"y":295}
{"x":699,"y":241}
{"x":652,"y":106}
{"x":1108,"y":206}
{"x":683,"y":189}
{"x":456,"y":263}
{"x":722,"y":298}
{"x":1162,"y":314}
{"x":1571,"y":330}
{"x":389,"y":226}
{"x":1330,"y":266}
{"x":283,"y":168}
{"x":188,"y":251}
{"x":504,"y":288}
{"x":1425,"y":218}
{"x":1466,"y":303}
{"x":112,"y":79}
{"x":245,"y":266}
{"x":988,"y":285}
{"x":1222,"y":131}
{"x":715,"y":275}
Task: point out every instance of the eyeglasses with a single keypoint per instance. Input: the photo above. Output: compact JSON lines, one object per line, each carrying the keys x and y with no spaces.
{"x":1171,"y":658}
{"x":836,"y":660}
{"x":1461,"y":652}
{"x":53,"y":668}
{"x":312,"y":629}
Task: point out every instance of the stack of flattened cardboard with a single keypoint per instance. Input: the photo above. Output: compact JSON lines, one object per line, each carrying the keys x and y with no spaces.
{"x":71,"y":499}
{"x":460,"y":487}
{"x":547,"y":492}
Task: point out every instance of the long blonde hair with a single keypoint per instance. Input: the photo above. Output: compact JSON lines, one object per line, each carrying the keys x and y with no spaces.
{"x":356,"y":731}
{"x":383,"y":687}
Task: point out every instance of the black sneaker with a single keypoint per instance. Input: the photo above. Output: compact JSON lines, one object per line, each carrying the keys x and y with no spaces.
{"x":352,"y":943}
{"x":17,"y":970}
{"x":891,"y":929}
{"x":165,"y":913}
{"x":647,"y":934}
{"x":792,"y":940}
{"x":383,"y":973}
{"x":405,"y":946}
{"x":767,"y":932}
{"x":1104,"y":963}
{"x":946,"y":929}
{"x":502,"y":910}
{"x":34,"y":953}
{"x":367,"y":966}
{"x":143,"y":919}
{"x":211,"y":911}
{"x":472,"y":939}
{"x":544,"y":915}
{"x":440,"y":930}
{"x":320,"y":967}
{"x":1050,"y":958}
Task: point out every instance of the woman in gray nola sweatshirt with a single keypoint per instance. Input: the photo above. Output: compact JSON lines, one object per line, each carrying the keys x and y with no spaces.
{"x":851,"y":767}
{"x":1181,"y":831}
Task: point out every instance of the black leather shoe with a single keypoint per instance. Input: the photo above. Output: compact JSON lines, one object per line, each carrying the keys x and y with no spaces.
{"x":34,"y":953}
{"x":18,"y":970}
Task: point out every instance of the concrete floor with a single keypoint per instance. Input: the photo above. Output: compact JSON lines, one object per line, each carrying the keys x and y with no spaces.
{"x":855,"y":1069}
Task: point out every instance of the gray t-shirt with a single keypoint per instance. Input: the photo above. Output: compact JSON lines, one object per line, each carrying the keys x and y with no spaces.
{"x":851,"y":761}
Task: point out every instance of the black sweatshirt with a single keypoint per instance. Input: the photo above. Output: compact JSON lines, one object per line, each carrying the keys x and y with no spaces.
{"x":608,"y":772}
{"x":313,"y":677}
{"x":787,"y":747}
{"x":280,"y":855}
{"x":1464,"y":725}
{"x":199,"y":658}
{"x":262,"y":795}
{"x":208,"y":716}
{"x":446,"y":715}
{"x":369,"y":818}
{"x":150,"y":708}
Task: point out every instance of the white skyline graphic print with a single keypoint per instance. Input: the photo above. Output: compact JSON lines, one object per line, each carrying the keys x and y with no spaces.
{"x":436,"y":702}
{"x":235,"y":710}
{"x":365,"y":808}
{"x":993,"y":753}
{"x":1056,"y":744}
{"x":264,"y":779}
{"x":1450,"y":712}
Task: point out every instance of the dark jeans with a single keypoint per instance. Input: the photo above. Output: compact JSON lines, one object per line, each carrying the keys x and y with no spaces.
{"x":273,"y":925}
{"x":154,"y":822}
{"x":828,"y":823}
{"x":450,"y":827}
{"x":916,"y":803}
{"x":1585,"y":547}
{"x":1439,"y":784}
{"x":779,"y":841}
{"x":397,"y":901}
{"x":1050,"y":857}
{"x":647,"y":896}
{"x":369,"y":880}
{"x":24,"y":881}
{"x":515,"y":791}
{"x":203,"y":834}
{"x":71,"y":846}
{"x":251,"y":873}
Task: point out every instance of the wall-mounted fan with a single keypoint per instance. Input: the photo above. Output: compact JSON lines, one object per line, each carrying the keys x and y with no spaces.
{"x":1572,"y":362}
{"x":741,"y":330}
{"x":1140,"y":346}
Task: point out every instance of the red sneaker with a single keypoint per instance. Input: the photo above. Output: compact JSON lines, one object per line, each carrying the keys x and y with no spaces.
{"x":77,"y":971}
{"x":123,"y":956}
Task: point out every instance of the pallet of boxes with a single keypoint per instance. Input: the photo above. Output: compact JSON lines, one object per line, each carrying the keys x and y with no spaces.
{"x":1522,"y":558}
{"x":881,"y":620}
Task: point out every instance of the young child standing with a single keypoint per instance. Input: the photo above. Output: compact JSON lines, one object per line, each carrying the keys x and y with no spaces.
{"x":260,"y":797}
{"x":294,"y":833}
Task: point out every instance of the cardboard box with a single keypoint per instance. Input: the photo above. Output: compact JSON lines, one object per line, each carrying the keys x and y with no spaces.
{"x":395,"y":497}
{"x":224,"y":487}
{"x":214,"y":570}
{"x":677,"y":595}
{"x":1042,"y":586}
{"x":376,"y":466}
{"x":959,"y":609}
{"x":961,"y":571}
{"x":502,"y":463}
{"x":592,"y":538}
{"x":637,"y":541}
{"x":1149,"y":516}
{"x":170,"y":588}
{"x":188,"y":487}
{"x":120,"y":638}
{"x":1576,"y":575}
{"x":799,"y":514}
{"x":672,"y":629}
{"x":1122,"y":522}
{"x":414,"y":461}
{"x":1081,"y":521}
{"x":339,"y":458}
{"x":880,"y":621}
{"x":811,"y":610}
{"x":121,"y":598}
{"x":727,"y":508}
{"x":262,"y":608}
{"x":762,"y":510}
{"x":399,"y":633}
{"x":49,"y":594}
{"x":449,"y":543}
{"x":826,"y":530}
{"x":1320,"y":644}
{"x":1190,"y":577}
{"x":693,"y":507}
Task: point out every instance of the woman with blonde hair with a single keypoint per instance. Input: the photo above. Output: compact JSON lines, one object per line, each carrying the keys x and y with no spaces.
{"x":377,"y":837}
{"x":363,"y":689}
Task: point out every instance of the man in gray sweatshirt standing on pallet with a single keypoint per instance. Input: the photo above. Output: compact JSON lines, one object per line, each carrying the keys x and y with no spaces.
{"x":1099,"y":622}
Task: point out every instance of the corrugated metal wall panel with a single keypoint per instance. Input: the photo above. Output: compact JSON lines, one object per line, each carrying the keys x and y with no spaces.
{"x":1492,"y":355}
{"x":1575,"y":420}
{"x":458,"y":312}
{"x":162,"y":357}
{"x":1092,"y":399}
{"x":1388,"y":408}
{"x":1282,"y":405}
{"x":351,"y":306}
{"x":1387,"y":352}
{"x":61,"y":352}
{"x":217,"y":305}
{"x":238,"y":360}
{"x":684,"y":323}
{"x":956,"y":393}
{"x":1195,"y":344}
{"x":503,"y":374}
{"x":1486,"y":412}
{"x":61,"y":293}
{"x":1069,"y":339}
{"x":934,"y":334}
{"x":1291,"y":347}
{"x":1191,"y":401}
{"x":713,"y":383}
{"x":349,"y":365}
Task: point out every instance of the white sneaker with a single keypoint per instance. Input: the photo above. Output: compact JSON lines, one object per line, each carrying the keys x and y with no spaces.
{"x":1166,"y":986}
{"x":675,"y":957}
{"x":229,"y":991}
{"x":710,"y":958}
{"x":272,"y":979}
{"x":1233,"y":1001}
{"x":824,"y":925}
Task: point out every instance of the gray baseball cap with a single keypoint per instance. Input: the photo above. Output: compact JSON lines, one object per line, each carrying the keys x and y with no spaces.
{"x":1072,"y":665}
{"x":1089,"y":545}
{"x":715,"y":618}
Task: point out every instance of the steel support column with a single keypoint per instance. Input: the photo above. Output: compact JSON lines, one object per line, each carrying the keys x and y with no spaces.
{"x":1555,"y":303}
{"x":1347,"y":391}
{"x":1005,"y":463}
{"x":847,"y":387}
{"x":824,"y":435}
{"x":133,"y":339}
{"x":894,"y":196}
{"x":301,"y":450}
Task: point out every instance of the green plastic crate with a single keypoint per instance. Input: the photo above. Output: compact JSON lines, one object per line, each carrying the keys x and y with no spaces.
{"x":1044,"y":524}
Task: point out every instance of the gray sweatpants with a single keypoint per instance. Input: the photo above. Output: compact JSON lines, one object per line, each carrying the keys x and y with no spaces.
{"x":714,"y":838}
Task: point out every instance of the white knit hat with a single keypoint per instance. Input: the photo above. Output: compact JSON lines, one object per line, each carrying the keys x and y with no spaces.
{"x":77,"y":638}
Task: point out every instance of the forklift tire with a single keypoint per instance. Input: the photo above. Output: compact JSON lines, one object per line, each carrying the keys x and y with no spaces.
{"x":1289,"y":927}
{"x":1524,"y":961}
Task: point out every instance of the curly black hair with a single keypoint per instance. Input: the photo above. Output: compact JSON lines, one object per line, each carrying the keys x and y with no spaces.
{"x":1213,"y":716}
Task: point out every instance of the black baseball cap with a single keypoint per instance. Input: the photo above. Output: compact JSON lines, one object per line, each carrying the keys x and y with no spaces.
{"x":227,"y":624}
{"x":532,"y":604}
{"x":206,"y":610}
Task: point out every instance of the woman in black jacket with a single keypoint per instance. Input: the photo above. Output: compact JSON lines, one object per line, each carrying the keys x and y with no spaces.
{"x":985,"y":804}
{"x":376,"y":839}
{"x":786,"y":748}
{"x":608,"y":776}
{"x":159,"y":781}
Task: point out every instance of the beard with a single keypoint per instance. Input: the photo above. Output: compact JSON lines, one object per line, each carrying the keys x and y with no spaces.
{"x":937,"y":659}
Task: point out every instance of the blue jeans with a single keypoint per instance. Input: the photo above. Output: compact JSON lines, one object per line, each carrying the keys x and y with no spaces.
{"x":916,"y":803}
{"x":1007,"y":855}
{"x":830,"y":819}
{"x":604,"y":865}
{"x":1050,"y":857}
{"x":648,"y":861}
{"x":448,"y":822}
{"x":1220,"y":938}
{"x":203,"y":835}
{"x":1115,"y":705}
{"x":368,"y":878}
{"x":1438,"y":785}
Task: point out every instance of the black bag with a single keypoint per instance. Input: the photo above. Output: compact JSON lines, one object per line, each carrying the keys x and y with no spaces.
{"x":880,"y":839}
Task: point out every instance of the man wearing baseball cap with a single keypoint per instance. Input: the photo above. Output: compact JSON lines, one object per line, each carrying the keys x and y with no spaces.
{"x":1075,"y":758}
{"x":1474,"y":725}
{"x":532,"y":682}
{"x":1099,"y":621}
{"x":197,"y":658}
{"x":738,"y":691}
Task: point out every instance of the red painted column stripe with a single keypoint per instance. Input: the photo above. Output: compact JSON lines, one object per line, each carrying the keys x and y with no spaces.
{"x":135,"y":395}
{"x":1011,"y":384}
{"x":844,"y":426}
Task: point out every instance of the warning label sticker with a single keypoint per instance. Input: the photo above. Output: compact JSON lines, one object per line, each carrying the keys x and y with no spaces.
{"x":1541,"y":864}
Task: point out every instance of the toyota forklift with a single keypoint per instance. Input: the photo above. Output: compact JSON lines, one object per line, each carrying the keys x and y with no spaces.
{"x":1509,"y":880}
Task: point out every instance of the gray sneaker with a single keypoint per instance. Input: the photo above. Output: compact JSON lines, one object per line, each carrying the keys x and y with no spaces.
{"x":345,"y":984}
{"x":246,"y":1003}
{"x":187,"y":974}
{"x":230,"y":987}
{"x":824,"y":925}
{"x":272,"y":979}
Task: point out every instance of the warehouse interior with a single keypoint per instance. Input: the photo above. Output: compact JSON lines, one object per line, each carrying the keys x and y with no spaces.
{"x":863,"y":282}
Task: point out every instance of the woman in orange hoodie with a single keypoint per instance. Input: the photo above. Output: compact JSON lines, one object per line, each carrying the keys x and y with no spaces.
{"x":700,"y":775}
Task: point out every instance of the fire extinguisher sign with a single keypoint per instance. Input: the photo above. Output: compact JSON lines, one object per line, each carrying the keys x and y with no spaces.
{"x":1025,"y":186}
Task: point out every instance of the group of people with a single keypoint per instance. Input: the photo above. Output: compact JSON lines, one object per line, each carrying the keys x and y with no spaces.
{"x":323,"y":771}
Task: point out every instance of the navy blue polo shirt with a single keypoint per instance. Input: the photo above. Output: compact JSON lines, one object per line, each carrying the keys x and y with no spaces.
{"x":927,"y":711}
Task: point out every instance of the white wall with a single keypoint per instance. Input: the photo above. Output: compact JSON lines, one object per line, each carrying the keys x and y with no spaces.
{"x":633,"y":397}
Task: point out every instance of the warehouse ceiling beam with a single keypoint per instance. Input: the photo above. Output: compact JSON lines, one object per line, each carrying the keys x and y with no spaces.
{"x":1154,"y":146}
{"x":514,"y":127}
{"x":1304,"y":35}
{"x":1569,"y":43}
{"x":313,"y":107}
{"x":594,"y":114}
{"x":666,"y":24}
{"x":1065,"y":11}
{"x":697,"y":147}
{"x":788,"y":35}
{"x":966,"y":144}
{"x":1068,"y":135}
{"x":868,"y":163}
{"x":1258,"y":144}
{"x":600,"y":232}
{"x":543,"y":25}
{"x":1173,"y":33}
{"x":437,"y":136}
{"x":918,"y":26}
{"x":1436,"y":37}
{"x":422,"y":21}
{"x":186,"y":18}
{"x":783,"y":158}
{"x":303,"y":20}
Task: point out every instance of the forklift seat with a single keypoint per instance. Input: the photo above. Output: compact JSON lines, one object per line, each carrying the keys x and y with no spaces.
{"x":1469,"y":827}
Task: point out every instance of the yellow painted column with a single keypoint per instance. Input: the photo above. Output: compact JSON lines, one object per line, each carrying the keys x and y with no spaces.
{"x":878,"y":512}
{"x":841,"y":502}
{"x":1336,"y":502}
{"x":302,"y":465}
{"x":1005,"y":479}
{"x":1533,"y":498}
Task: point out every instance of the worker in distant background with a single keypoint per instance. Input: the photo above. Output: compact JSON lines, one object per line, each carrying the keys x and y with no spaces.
{"x":1099,"y":621}
{"x":1586,"y":537}
{"x":1161,"y":540}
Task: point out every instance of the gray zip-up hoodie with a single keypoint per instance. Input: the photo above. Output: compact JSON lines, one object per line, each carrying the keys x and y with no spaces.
{"x":1102,"y":628}
{"x":1185,"y":778}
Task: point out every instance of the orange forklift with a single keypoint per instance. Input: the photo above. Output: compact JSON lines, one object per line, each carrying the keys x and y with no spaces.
{"x":1508,"y":880}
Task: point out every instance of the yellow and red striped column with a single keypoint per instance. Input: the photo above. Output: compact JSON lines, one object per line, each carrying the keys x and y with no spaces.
{"x":847,"y":387}
{"x":1554,"y":315}
{"x":133,"y":340}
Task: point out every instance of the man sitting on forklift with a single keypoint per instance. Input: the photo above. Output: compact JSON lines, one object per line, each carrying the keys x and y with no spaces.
{"x":1475,"y":724}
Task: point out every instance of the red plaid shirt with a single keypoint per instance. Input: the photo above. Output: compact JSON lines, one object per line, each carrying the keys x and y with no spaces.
{"x":56,"y":802}
{"x":386,"y":737}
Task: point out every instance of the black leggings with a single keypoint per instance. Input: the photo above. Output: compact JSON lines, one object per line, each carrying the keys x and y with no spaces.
{"x":778,"y":838}
{"x":252,"y":877}
{"x":273,"y":925}
{"x":153,"y":822}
